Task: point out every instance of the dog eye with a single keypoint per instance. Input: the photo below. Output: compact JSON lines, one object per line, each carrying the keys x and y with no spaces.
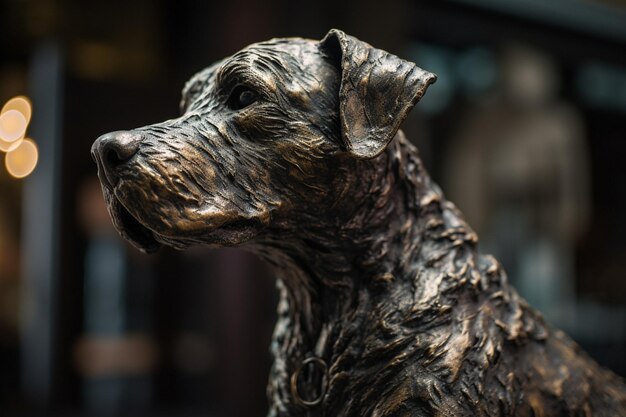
{"x":242,"y":97}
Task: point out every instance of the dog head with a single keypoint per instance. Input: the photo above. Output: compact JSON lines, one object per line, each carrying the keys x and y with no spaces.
{"x":261,"y":140}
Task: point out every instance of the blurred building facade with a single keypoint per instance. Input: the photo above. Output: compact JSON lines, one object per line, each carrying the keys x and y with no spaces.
{"x":524,"y":130}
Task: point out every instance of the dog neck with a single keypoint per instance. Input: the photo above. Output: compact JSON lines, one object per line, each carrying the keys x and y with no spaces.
{"x":395,"y":256}
{"x":357,"y":240}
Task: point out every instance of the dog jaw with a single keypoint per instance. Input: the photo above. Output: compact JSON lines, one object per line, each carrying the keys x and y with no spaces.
{"x":179,"y":227}
{"x":148,"y":234}
{"x":128,"y":226}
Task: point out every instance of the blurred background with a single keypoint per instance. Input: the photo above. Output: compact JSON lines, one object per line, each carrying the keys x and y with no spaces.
{"x":525,"y":130}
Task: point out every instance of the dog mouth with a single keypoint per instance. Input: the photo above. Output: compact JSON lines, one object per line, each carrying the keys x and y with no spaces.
{"x":229,"y":233}
{"x":129,"y":227}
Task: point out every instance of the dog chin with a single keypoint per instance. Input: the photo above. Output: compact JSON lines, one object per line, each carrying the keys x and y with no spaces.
{"x":233,"y":233}
{"x":129,"y":227}
{"x":144,"y":238}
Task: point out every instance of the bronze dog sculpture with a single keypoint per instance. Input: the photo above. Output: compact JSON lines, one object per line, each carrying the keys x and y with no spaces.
{"x":290,"y":148}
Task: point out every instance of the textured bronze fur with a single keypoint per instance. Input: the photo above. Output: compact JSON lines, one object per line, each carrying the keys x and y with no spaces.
{"x":380,"y":279}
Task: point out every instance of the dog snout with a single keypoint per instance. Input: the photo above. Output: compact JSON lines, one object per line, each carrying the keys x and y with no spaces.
{"x":112,"y":151}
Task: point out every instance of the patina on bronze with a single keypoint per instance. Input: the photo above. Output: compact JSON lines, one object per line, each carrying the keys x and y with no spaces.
{"x":290,"y":148}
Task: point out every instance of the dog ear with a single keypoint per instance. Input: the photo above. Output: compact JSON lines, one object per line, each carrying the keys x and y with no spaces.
{"x":376,"y":93}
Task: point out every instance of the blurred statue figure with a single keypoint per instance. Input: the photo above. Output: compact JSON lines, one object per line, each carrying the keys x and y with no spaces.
{"x":518,"y":168}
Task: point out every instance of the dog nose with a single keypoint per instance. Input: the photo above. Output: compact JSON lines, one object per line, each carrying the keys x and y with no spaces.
{"x":112,"y":150}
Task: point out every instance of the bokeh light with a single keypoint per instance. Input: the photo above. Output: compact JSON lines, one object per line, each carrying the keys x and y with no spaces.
{"x":21,"y":104}
{"x":22,"y":160}
{"x":12,"y":125}
{"x":9,"y":146}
